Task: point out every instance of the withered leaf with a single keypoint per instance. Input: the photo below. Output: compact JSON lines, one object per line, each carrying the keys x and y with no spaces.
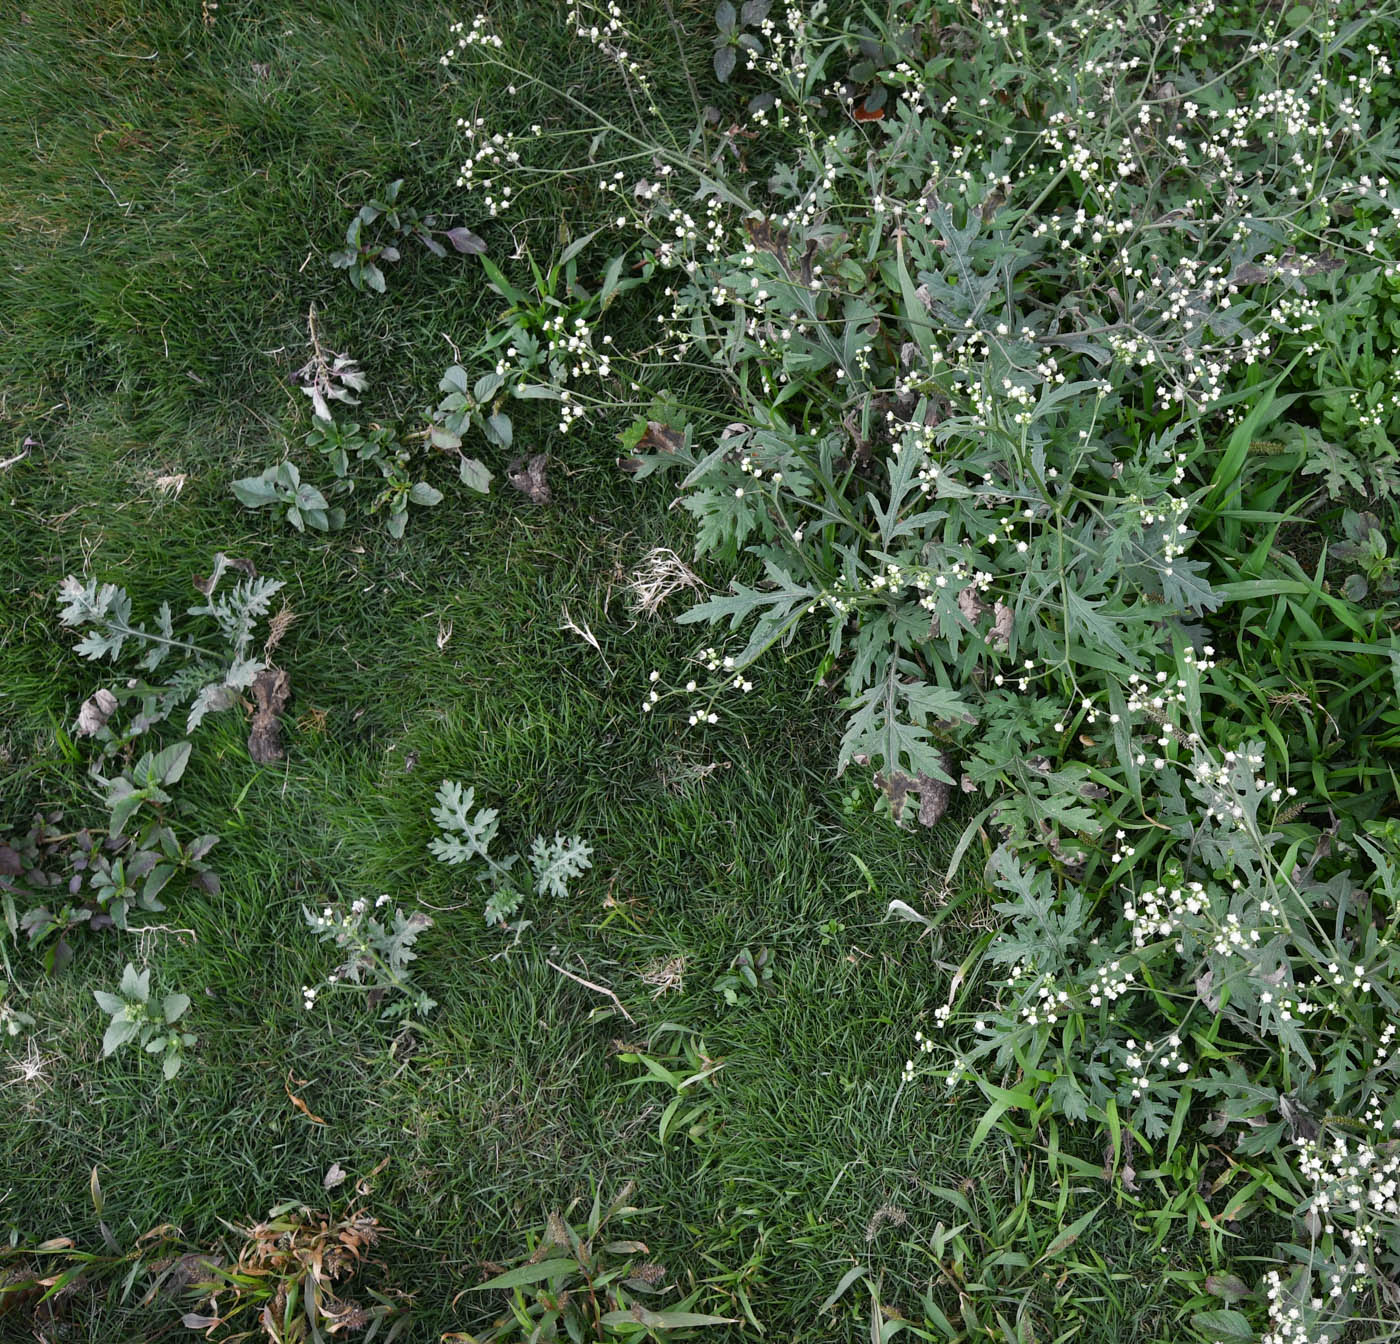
{"x":1204,"y":991}
{"x":271,"y":689}
{"x":95,"y":711}
{"x":1289,"y":264}
{"x":661,"y":438}
{"x":278,"y":624}
{"x":1128,"y":1175}
{"x":762,"y":234}
{"x":970,"y":604}
{"x":527,"y":474}
{"x":851,"y":424}
{"x":933,"y":794}
{"x":1001,"y":626}
{"x":895,"y":786}
{"x":1301,"y":1125}
{"x":299,"y":1103}
{"x":933,"y":802}
{"x":201,"y":581}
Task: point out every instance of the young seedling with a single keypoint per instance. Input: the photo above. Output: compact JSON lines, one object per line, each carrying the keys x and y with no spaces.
{"x":149,"y":1022}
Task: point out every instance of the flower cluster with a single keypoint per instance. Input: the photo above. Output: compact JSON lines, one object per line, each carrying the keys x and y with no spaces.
{"x":487,"y":155}
{"x":723,"y":679}
{"x":603,"y":26}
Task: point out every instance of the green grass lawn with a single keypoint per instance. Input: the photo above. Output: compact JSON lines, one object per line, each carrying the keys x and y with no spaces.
{"x":173,"y":189}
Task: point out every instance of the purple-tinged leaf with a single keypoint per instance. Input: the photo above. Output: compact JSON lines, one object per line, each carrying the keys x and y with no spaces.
{"x":464,"y":240}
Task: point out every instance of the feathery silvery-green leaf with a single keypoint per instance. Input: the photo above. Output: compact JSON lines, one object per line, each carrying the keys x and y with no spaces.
{"x":464,"y":836}
{"x":375,"y":954}
{"x":238,"y":611}
{"x":107,"y":607}
{"x":86,"y":602}
{"x":397,"y":940}
{"x":209,"y":699}
{"x":556,"y":862}
{"x":158,"y":651}
{"x":454,"y":804}
{"x":503,"y":902}
{"x":466,"y":832}
{"x":243,"y":672}
{"x":106,"y":643}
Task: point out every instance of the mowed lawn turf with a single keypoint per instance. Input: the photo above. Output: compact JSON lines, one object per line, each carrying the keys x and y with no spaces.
{"x":175,"y":181}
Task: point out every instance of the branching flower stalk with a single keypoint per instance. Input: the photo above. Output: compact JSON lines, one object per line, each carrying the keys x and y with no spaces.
{"x":1004,"y":303}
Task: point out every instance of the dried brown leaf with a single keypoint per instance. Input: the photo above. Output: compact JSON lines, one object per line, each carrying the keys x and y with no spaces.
{"x":277,"y":627}
{"x":970,"y":604}
{"x":95,"y":711}
{"x":246,"y":567}
{"x":1001,"y":626}
{"x":271,"y":689}
{"x":527,"y":474}
{"x":933,"y":800}
{"x":1205,"y":992}
{"x":299,"y":1103}
{"x":661,"y":438}
{"x":1289,"y":264}
{"x":933,"y":794}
